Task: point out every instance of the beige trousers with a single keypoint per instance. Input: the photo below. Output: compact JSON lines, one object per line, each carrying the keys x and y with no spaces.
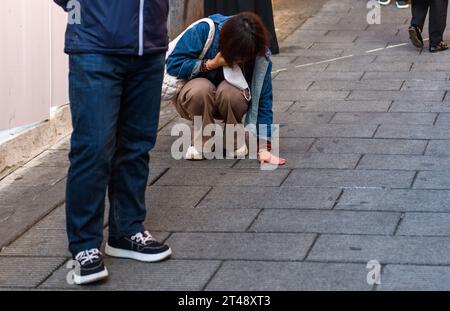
{"x":199,"y":97}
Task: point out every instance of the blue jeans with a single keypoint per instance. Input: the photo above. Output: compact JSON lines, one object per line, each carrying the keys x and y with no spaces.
{"x":115,"y":104}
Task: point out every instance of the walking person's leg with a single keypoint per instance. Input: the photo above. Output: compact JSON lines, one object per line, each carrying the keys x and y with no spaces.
{"x":95,"y":89}
{"x":419,"y":10}
{"x":136,"y":136}
{"x":437,"y":24}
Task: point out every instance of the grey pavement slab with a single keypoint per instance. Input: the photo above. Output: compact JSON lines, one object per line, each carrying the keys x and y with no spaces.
{"x":414,"y":278}
{"x":397,"y":95}
{"x":432,"y":180}
{"x":413,"y":131}
{"x":409,"y":77}
{"x":328,"y":130}
{"x":421,"y":106}
{"x":338,"y":222}
{"x":291,"y":276}
{"x":333,"y":105}
{"x":369,"y":146}
{"x":302,"y":117}
{"x":185,"y":275}
{"x":270,"y":197}
{"x":395,"y":200}
{"x":311,"y":160}
{"x":430,"y":66}
{"x":296,"y":74}
{"x":200,"y":220}
{"x":295,"y":144}
{"x":426,"y":85}
{"x":404,"y":162}
{"x":50,"y":158}
{"x":387,"y":67}
{"x":241,"y":246}
{"x":385,"y":249}
{"x":176,"y":196}
{"x":384,"y":118}
{"x":311,"y":95}
{"x":438,"y":148}
{"x":165,"y":160}
{"x":425,"y":224}
{"x":385,"y":85}
{"x":211,"y":177}
{"x":349,"y":178}
{"x":26,"y":272}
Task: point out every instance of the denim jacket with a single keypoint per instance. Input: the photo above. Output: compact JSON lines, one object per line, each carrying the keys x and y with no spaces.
{"x":184,"y":64}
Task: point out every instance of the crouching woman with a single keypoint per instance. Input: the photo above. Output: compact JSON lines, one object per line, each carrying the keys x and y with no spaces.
{"x":240,"y":42}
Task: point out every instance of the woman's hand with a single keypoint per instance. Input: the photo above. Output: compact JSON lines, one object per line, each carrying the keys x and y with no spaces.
{"x":217,"y":62}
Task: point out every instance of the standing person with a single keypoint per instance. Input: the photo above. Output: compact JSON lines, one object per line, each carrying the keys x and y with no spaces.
{"x":437,"y":23}
{"x":116,"y":58}
{"x":263,"y":8}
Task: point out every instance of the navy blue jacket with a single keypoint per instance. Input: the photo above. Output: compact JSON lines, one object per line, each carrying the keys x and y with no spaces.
{"x":129,"y":27}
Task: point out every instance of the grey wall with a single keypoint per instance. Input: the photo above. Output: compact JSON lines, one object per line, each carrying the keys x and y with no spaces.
{"x":182,"y":14}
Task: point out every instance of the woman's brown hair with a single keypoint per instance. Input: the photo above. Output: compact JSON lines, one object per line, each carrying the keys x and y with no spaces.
{"x":242,"y":38}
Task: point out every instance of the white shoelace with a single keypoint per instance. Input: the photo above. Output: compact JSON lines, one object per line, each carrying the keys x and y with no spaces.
{"x":88,"y":255}
{"x":143,"y":238}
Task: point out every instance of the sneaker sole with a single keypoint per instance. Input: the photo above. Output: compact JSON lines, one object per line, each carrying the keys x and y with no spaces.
{"x":414,"y":39}
{"x":385,"y":3}
{"x":406,"y":6}
{"x":82,"y":280}
{"x":123,"y":253}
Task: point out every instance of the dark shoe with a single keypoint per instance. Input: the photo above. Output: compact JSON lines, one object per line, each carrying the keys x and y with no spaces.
{"x":441,"y":46}
{"x":415,"y":36}
{"x":401,"y":4}
{"x":90,"y":267}
{"x":141,"y":246}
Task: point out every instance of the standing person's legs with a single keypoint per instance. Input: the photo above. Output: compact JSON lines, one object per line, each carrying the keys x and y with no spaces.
{"x":232,"y":107}
{"x":95,"y":90}
{"x":437,"y":20}
{"x":136,"y":136}
{"x":197,"y":98}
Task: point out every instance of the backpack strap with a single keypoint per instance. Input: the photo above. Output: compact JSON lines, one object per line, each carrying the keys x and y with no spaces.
{"x":209,"y":40}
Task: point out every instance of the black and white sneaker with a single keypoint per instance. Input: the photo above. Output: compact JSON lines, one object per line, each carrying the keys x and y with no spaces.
{"x":142,"y":246}
{"x":384,"y":2}
{"x":91,"y":268}
{"x":402,"y":4}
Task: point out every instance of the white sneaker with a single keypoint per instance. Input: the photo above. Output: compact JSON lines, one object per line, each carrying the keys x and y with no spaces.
{"x":239,"y":153}
{"x":384,"y":2}
{"x":193,"y":154}
{"x":402,"y":4}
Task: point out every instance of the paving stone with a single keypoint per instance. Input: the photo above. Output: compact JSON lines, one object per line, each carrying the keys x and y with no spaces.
{"x":51,"y":158}
{"x":179,"y":196}
{"x":243,"y":246}
{"x":426,"y":85}
{"x":328,"y":130}
{"x":302,"y":117}
{"x":406,"y":75}
{"x":414,"y":278}
{"x":443,"y":119}
{"x":423,"y":224}
{"x":430,"y":66}
{"x":394,"y":67}
{"x":384,"y":118}
{"x":295,"y":144}
{"x":200,"y":220}
{"x":311,"y":95}
{"x":332,"y":85}
{"x":289,"y":276}
{"x":326,"y":222}
{"x":26,"y":272}
{"x":397,"y":95}
{"x":422,"y":106}
{"x":270,"y":197}
{"x":299,"y":74}
{"x":413,"y":132}
{"x":395,"y":200}
{"x":438,"y":148}
{"x":35,"y":176}
{"x":369,"y":146}
{"x":432,"y":180}
{"x":133,"y":275}
{"x":349,"y":178}
{"x":301,"y":85}
{"x":310,"y":160}
{"x":385,"y":249}
{"x":341,"y":106}
{"x":209,"y":177}
{"x":403,"y":162}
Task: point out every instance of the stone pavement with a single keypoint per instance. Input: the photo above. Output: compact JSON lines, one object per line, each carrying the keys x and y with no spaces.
{"x":365,"y":128}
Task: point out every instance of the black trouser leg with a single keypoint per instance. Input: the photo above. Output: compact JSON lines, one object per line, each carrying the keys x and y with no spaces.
{"x":419,"y":9}
{"x":438,"y":20}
